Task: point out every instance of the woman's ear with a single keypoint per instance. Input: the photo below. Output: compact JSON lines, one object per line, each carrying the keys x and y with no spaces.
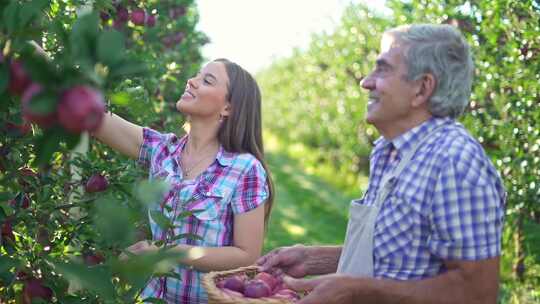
{"x":226,"y":111}
{"x":426,"y":87}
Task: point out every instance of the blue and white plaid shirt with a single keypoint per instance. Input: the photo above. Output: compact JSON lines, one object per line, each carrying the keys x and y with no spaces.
{"x":447,"y":204}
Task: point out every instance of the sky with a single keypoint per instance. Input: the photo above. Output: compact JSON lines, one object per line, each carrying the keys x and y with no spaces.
{"x":254,"y":32}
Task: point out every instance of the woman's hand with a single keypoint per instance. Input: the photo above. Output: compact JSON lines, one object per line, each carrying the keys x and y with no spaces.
{"x":141,"y":247}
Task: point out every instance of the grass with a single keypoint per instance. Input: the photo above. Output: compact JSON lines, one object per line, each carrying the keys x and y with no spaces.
{"x":307,"y":208}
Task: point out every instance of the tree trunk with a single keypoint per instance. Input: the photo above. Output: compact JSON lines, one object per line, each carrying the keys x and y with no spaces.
{"x":519,"y":264}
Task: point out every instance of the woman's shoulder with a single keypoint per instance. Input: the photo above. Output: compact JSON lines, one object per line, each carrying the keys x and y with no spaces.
{"x":242,"y":161}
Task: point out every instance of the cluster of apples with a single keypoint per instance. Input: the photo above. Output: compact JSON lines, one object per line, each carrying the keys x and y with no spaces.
{"x":139,"y":16}
{"x":262,"y":285}
{"x":79,"y":108}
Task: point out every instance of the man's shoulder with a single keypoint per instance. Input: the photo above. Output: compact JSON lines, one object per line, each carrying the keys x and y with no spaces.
{"x":463,"y":155}
{"x":455,"y":142}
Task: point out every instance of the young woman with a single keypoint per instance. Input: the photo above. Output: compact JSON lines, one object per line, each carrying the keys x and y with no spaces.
{"x":218,"y":169}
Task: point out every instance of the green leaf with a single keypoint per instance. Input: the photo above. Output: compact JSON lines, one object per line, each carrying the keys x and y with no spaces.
{"x":187,"y":236}
{"x":47,"y":144}
{"x":5,"y":196}
{"x":187,"y":213}
{"x":113,"y":221}
{"x":154,"y":300}
{"x":6,"y":263}
{"x":137,"y":269}
{"x":43,"y":103}
{"x":127,"y":68}
{"x":120,"y":98}
{"x":96,"y":279}
{"x":11,"y":16}
{"x":110,"y":47}
{"x":40,"y":69}
{"x":83,"y":39}
{"x":4,"y":77}
{"x":150,"y":192}
{"x":31,"y":10}
{"x":160,"y":219}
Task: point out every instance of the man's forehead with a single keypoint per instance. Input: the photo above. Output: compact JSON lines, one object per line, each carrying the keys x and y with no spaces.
{"x":392,"y":51}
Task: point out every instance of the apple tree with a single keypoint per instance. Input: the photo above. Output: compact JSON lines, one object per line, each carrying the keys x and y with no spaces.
{"x":68,"y":204}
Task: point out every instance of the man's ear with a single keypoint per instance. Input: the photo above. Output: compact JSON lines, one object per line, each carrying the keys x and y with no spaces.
{"x":425,"y":89}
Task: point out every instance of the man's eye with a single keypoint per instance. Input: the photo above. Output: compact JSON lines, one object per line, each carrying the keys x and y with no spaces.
{"x":207,"y":82}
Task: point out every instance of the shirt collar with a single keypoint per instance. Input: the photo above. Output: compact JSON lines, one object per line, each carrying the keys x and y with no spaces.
{"x":224,"y":157}
{"x":404,"y":142}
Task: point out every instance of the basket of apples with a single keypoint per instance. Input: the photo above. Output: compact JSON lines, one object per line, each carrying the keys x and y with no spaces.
{"x":247,"y":285}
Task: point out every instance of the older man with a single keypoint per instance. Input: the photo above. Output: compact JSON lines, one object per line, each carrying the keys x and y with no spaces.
{"x":428,"y":229}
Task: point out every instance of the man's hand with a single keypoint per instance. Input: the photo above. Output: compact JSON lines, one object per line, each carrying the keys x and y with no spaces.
{"x":326,"y":289}
{"x":286,"y":260}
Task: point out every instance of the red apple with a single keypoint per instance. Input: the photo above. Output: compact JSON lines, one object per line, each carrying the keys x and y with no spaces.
{"x":151,"y":20}
{"x":220,"y":284}
{"x":178,"y":37}
{"x":138,"y":16}
{"x":22,"y":202}
{"x":257,"y":289}
{"x":96,"y":183}
{"x":25,"y":175}
{"x":177,"y":11}
{"x":18,"y":78}
{"x":234,"y":283}
{"x":81,"y":108}
{"x":122,"y":14}
{"x":167,"y":41}
{"x":269,"y":279}
{"x":44,"y":120}
{"x":93,"y":258}
{"x":18,"y":129}
{"x":7,"y":231}
{"x":22,"y":275}
{"x":34,"y":289}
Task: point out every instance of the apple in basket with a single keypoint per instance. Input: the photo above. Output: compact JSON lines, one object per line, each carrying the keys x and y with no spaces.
{"x":235,"y":283}
{"x":269,"y":279}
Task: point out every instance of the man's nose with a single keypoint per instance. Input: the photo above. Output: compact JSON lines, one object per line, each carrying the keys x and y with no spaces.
{"x":367,"y":83}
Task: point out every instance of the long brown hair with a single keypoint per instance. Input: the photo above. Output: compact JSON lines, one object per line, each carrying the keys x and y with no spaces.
{"x":241,"y":131}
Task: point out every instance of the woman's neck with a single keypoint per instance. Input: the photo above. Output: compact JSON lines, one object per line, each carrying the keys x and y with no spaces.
{"x":201,"y":137}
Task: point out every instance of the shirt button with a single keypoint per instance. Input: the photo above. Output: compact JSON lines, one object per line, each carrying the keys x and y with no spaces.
{"x":208,"y":193}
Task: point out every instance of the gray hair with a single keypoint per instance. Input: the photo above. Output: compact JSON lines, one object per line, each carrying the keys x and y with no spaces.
{"x":441,"y":50}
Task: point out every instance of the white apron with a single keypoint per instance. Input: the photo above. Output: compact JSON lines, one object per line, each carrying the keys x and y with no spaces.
{"x":357,"y":253}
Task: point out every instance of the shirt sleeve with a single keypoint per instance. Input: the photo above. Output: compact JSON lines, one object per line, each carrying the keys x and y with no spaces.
{"x":467,"y":210}
{"x":252,"y":189}
{"x":154,"y":143}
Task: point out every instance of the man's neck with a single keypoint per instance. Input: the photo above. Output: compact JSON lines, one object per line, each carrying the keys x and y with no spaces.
{"x":398,"y":128}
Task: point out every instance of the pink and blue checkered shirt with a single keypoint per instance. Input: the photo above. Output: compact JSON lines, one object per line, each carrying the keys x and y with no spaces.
{"x":234,"y":183}
{"x":447,"y":204}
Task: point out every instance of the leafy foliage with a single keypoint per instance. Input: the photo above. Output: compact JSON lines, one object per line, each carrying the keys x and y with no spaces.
{"x":63,"y":239}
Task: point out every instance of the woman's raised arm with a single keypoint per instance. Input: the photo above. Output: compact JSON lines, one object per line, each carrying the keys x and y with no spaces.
{"x":120,"y":134}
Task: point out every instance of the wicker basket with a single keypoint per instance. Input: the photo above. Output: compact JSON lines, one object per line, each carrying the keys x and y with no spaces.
{"x":217,"y":296}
